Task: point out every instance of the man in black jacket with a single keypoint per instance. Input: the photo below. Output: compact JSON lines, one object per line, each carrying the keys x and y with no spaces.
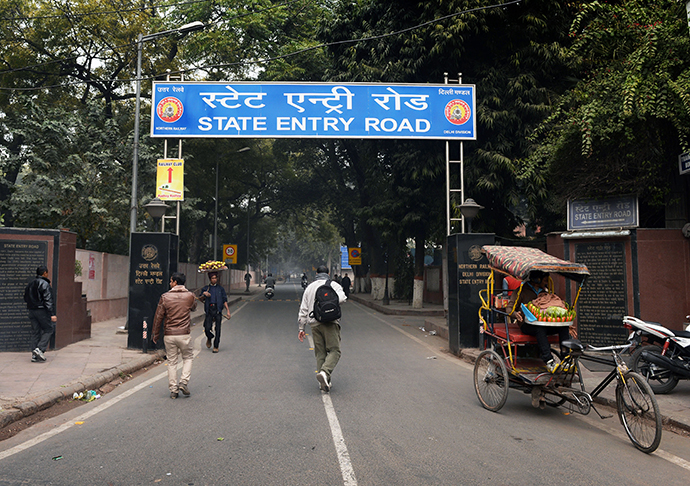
{"x":40,"y":301}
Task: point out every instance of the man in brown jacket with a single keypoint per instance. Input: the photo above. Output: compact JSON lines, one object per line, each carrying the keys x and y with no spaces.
{"x":175,"y":307}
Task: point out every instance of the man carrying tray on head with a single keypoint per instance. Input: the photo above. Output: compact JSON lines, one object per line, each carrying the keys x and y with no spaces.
{"x":215,"y":299}
{"x":536,"y":286}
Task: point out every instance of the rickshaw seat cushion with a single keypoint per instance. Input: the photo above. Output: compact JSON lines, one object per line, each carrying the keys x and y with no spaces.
{"x":516,"y":334}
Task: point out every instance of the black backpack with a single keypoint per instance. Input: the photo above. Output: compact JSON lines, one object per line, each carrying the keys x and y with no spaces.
{"x":326,"y":304}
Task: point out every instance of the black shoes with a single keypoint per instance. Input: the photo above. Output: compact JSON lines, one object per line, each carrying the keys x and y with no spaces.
{"x":184,"y":389}
{"x":173,"y":395}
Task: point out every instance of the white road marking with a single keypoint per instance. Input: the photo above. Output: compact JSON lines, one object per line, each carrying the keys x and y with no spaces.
{"x":346,"y":468}
{"x":340,"y":448}
{"x":450,"y":358}
{"x":673,"y":459}
{"x":100,"y":408}
{"x":81,"y":418}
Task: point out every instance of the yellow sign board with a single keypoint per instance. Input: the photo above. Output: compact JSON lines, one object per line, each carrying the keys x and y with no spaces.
{"x":170,"y":180}
{"x":354,"y":256}
{"x":230,"y":254}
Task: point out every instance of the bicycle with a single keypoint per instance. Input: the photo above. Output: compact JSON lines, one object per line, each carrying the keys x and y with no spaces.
{"x":505,"y":361}
{"x":636,"y":405}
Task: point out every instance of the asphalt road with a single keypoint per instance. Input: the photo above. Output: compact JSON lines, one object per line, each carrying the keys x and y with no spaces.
{"x":401,"y":412}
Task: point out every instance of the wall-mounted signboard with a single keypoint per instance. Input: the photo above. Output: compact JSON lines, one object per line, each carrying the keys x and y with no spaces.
{"x":313,"y":110}
{"x":608,"y":213}
{"x":684,"y":161}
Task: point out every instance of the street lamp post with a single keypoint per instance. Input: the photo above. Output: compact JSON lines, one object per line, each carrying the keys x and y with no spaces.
{"x":469,"y":209}
{"x":215,"y":214}
{"x":156,"y":209}
{"x":135,"y":156}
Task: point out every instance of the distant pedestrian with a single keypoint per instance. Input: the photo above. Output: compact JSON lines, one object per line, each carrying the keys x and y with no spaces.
{"x":346,"y":283}
{"x":40,"y":300}
{"x":175,"y":311}
{"x":326,"y":335}
{"x":215,"y":299}
{"x":247,"y":279}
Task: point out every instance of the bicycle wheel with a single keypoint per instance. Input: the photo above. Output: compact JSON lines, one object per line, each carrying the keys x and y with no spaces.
{"x":659,"y":379}
{"x":491,"y":380}
{"x":638,"y":412}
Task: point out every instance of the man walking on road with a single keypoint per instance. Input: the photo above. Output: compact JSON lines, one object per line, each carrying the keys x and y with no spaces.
{"x":346,"y":283}
{"x":247,"y":279}
{"x":326,"y":335}
{"x":40,"y":301}
{"x":214,"y":298}
{"x":175,"y":307}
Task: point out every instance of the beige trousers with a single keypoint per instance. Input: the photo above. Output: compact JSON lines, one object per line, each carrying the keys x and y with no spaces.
{"x":176,"y":346}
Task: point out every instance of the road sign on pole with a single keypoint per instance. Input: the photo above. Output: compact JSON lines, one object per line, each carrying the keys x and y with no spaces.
{"x":230,"y":254}
{"x":354,"y":256}
{"x":170,"y":180}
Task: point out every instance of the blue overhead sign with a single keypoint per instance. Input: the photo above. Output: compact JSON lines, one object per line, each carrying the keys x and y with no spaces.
{"x":344,"y":263}
{"x":313,"y":110}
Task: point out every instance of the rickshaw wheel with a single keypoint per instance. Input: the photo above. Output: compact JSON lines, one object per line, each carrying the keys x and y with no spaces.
{"x":491,"y":380}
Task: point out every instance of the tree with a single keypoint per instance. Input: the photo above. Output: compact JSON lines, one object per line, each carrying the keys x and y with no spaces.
{"x":621,"y":128}
{"x":70,"y":176}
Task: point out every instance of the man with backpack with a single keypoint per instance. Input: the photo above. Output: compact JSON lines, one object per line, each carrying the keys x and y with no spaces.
{"x":320,"y":309}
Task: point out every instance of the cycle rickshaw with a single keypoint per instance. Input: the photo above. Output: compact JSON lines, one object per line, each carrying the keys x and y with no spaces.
{"x":506,"y":359}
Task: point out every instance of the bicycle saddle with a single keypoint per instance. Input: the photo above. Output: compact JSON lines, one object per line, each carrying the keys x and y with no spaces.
{"x":573,"y":344}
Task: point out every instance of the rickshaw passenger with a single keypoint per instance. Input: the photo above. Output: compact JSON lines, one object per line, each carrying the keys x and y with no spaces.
{"x":510,"y":284}
{"x":536,"y":283}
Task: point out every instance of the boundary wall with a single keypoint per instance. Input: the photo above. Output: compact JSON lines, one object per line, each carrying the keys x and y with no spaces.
{"x":105,"y":278}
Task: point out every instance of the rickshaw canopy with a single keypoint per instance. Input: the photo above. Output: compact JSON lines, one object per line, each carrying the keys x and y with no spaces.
{"x":520,"y":261}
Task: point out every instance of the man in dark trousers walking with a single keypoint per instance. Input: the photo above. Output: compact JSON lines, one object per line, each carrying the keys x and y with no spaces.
{"x":346,"y":283}
{"x":40,"y":300}
{"x":214,"y":298}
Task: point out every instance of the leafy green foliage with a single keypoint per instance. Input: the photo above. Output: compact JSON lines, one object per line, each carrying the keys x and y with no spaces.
{"x":621,"y":128}
{"x":72,"y":176}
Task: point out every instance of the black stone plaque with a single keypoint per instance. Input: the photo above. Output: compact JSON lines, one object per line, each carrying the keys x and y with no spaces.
{"x":602,"y":302}
{"x":18,"y":262}
{"x":468,"y":270}
{"x":152,"y":260}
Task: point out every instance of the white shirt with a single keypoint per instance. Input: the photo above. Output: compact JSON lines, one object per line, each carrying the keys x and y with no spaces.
{"x":309,"y":296}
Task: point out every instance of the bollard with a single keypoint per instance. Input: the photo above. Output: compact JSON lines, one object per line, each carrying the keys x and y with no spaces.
{"x":145,"y":337}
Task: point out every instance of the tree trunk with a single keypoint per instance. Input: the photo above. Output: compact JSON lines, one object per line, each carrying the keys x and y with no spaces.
{"x":418,"y":289}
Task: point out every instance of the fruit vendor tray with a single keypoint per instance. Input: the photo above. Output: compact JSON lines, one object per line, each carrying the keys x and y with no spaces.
{"x":520,"y":261}
{"x":212,"y":266}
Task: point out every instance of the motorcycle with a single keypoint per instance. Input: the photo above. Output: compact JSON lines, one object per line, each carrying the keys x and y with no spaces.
{"x":268,"y":293}
{"x":665,"y":358}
